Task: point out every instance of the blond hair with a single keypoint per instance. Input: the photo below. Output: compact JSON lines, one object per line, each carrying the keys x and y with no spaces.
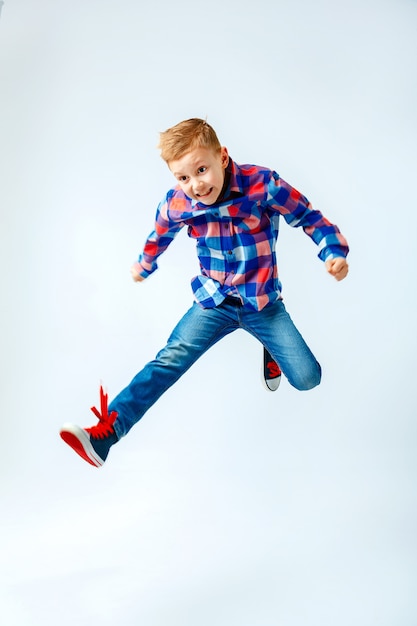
{"x":186,"y":136}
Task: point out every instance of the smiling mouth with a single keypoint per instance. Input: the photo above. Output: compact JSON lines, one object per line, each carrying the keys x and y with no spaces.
{"x":204,"y":195}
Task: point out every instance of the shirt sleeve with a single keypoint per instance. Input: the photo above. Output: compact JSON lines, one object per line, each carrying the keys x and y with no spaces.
{"x":298,"y":212}
{"x":164,"y":232}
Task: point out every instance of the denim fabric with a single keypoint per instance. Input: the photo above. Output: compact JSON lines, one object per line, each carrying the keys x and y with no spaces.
{"x":195,"y":333}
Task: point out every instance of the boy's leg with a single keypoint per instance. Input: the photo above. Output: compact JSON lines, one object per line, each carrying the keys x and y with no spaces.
{"x":196,"y":332}
{"x":277,"y":332}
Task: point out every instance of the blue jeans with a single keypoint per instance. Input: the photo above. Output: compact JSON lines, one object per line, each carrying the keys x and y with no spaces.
{"x":195,"y":333}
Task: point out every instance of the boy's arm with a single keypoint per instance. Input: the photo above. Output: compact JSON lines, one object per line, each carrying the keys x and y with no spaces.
{"x":298,"y":212}
{"x":157,"y":242}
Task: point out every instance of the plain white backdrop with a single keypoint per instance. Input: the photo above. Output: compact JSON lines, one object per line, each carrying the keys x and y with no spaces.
{"x":226,"y":505}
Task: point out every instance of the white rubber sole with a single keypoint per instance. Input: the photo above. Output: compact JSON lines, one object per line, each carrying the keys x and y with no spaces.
{"x":79,"y":440}
{"x":271,"y":384}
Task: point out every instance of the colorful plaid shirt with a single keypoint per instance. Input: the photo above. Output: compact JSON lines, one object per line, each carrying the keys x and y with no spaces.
{"x":236,"y":236}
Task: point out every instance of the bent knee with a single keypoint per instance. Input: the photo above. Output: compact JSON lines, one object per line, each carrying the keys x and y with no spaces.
{"x":308,"y":380}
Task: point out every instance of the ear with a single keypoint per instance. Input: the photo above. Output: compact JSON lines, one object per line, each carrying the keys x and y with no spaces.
{"x":224,"y":156}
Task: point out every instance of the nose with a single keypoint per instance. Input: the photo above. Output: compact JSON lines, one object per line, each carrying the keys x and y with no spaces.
{"x":197,"y":185}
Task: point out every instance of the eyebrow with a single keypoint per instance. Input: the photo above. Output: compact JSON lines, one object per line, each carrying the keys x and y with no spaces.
{"x":194,"y":166}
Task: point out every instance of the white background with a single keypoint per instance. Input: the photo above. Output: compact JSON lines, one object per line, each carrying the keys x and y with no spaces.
{"x":226,"y":505}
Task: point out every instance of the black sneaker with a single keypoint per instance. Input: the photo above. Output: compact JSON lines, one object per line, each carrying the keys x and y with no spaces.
{"x":93,"y":444}
{"x":271,"y":372}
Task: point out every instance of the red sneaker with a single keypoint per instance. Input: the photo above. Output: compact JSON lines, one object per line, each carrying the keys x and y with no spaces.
{"x":93,"y":443}
{"x":271,"y":372}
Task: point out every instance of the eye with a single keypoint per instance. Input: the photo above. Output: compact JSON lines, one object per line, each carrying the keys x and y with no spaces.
{"x":202,"y":169}
{"x":182,"y":179}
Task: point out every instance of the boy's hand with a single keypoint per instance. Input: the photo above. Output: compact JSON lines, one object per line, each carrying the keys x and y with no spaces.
{"x":135,"y":274}
{"x":337,"y":267}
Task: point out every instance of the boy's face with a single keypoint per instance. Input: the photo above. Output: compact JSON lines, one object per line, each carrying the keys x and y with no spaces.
{"x":200,"y":173}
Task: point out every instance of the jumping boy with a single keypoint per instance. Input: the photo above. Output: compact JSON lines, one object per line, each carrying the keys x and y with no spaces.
{"x":232,"y":212}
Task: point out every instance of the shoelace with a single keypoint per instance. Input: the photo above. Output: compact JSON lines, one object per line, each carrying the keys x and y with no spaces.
{"x":273,"y":369}
{"x":104,"y":428}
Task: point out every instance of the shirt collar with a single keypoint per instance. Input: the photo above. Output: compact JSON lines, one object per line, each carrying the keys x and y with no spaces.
{"x":234,"y":176}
